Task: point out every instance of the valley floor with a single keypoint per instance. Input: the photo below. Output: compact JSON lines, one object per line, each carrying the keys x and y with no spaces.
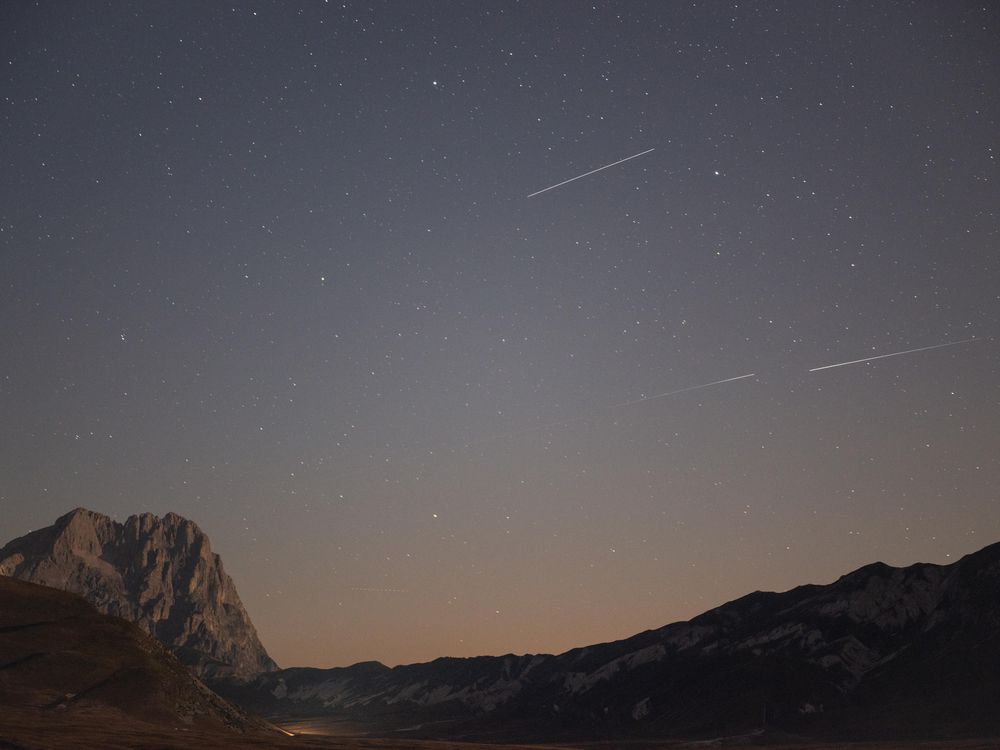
{"x":48,"y":730}
{"x":96,"y":730}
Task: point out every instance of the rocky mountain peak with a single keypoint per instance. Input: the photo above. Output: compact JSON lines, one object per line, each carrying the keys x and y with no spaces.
{"x":160,"y":573}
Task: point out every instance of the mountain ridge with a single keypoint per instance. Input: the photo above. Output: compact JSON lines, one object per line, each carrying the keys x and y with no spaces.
{"x":816,"y":659}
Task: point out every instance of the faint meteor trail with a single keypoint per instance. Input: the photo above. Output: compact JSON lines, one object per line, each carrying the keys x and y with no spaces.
{"x":592,"y":171}
{"x":564,"y":422}
{"x":682,"y":390}
{"x":893,"y":354}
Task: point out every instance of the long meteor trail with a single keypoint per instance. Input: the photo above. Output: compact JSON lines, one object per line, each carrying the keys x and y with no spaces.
{"x":893,"y":354}
{"x":592,"y":171}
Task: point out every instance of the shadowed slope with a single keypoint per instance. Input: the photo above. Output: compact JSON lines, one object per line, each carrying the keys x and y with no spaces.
{"x":61,"y":658}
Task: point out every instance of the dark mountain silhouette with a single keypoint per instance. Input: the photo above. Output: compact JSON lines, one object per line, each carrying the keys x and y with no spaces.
{"x":882,"y":652}
{"x":159,"y":573}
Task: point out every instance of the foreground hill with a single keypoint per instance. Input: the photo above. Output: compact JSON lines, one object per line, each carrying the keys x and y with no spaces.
{"x":61,"y":660}
{"x":882,"y":652}
{"x":159,"y":573}
{"x":72,"y":678}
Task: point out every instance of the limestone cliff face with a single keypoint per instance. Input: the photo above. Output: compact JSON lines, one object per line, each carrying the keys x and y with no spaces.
{"x":159,"y":573}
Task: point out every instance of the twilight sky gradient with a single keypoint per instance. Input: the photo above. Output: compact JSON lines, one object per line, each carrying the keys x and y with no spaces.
{"x":273,"y":266}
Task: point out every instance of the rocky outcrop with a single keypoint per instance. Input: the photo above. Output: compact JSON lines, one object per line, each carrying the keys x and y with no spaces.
{"x":159,"y":573}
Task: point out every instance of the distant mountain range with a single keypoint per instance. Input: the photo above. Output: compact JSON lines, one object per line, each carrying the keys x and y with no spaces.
{"x":159,"y":573}
{"x":881,"y":652}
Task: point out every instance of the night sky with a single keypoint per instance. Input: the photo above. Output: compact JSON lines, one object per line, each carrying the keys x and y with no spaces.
{"x":273,"y":266}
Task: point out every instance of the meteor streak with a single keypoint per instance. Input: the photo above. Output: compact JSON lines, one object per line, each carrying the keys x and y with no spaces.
{"x":592,"y":171}
{"x":893,"y":354}
{"x":454,"y":448}
{"x":683,"y":390}
{"x":564,"y":422}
